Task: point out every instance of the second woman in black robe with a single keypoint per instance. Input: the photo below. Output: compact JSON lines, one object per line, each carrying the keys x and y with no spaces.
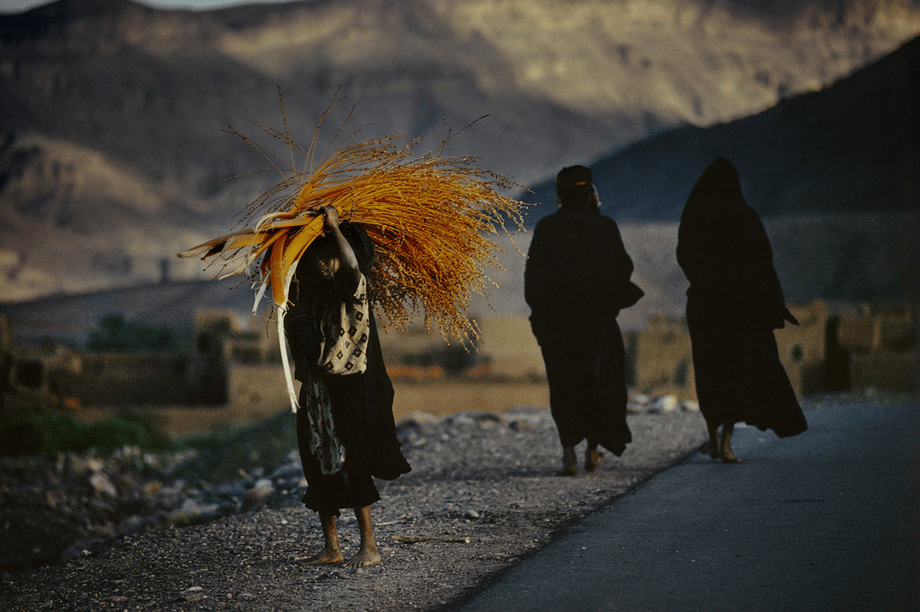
{"x":734,"y":304}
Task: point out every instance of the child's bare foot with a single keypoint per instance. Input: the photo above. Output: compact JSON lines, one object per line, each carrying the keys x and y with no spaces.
{"x":728,"y":456}
{"x":321,"y":558}
{"x":364,"y":558}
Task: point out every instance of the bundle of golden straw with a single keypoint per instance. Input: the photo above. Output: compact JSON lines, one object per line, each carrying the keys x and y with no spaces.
{"x":428,"y":216}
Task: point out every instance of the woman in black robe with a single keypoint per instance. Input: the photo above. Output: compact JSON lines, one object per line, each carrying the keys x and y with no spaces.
{"x":345,"y":427}
{"x":733,"y":305}
{"x":575,"y":282}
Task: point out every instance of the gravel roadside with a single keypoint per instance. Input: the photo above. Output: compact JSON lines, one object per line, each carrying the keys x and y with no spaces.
{"x":483,"y":494}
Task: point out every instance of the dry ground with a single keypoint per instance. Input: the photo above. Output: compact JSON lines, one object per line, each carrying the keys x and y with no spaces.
{"x":483,"y":494}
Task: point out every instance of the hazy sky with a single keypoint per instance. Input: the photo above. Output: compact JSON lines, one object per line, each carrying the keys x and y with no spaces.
{"x":17,"y":6}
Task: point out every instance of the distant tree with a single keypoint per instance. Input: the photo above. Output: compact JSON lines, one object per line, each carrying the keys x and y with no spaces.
{"x":116,"y":335}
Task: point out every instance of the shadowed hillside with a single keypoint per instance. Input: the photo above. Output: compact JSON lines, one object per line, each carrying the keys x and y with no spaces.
{"x":852,"y":148}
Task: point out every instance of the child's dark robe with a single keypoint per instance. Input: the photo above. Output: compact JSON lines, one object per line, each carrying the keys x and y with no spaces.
{"x":360,"y":405}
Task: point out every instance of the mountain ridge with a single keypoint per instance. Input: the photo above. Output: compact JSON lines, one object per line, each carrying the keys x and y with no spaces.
{"x":148,"y":93}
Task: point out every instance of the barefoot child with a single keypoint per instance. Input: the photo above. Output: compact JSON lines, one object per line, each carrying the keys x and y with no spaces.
{"x":345,"y":428}
{"x":319,"y":272}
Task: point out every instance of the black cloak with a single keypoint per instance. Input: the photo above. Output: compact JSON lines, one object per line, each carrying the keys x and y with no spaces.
{"x":733,"y":305}
{"x":361,"y":404}
{"x":575,"y":282}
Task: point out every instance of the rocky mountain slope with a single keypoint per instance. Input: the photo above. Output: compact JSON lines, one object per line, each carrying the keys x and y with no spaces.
{"x":112,"y":156}
{"x":853,"y":147}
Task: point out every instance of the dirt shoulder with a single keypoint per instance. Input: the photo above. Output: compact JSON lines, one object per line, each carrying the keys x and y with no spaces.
{"x":482,"y":495}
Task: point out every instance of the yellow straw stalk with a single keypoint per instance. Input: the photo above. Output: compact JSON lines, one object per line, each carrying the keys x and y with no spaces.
{"x":428,"y":216}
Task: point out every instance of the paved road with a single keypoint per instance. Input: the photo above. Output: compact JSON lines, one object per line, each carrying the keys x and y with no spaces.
{"x":824,"y":521}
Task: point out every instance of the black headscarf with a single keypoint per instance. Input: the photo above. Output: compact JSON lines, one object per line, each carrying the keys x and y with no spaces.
{"x":714,"y":199}
{"x":575,"y":189}
{"x":725,"y":253}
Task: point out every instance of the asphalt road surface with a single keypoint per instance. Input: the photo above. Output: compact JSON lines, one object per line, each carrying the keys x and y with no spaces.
{"x":823,"y":521}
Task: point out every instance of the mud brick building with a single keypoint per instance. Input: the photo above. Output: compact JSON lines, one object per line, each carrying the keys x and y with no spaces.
{"x":835,"y":348}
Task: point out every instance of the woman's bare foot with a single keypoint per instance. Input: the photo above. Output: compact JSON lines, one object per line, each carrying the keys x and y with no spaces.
{"x":593,"y":459}
{"x":711,"y":448}
{"x":364,"y":558}
{"x":569,"y":462}
{"x":706,"y":449}
{"x":726,"y":453}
